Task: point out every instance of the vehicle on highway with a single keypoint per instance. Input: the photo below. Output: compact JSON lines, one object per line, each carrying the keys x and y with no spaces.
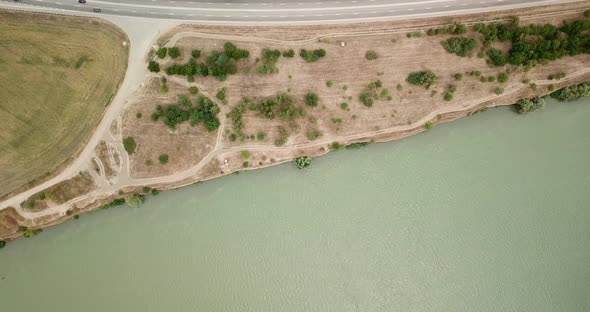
{"x":82,"y":1}
{"x":97,"y":10}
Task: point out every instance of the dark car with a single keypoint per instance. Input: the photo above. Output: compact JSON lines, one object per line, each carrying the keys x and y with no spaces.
{"x":97,"y":10}
{"x":82,"y":1}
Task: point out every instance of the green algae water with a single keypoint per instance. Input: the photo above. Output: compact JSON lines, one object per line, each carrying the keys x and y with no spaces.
{"x":489,"y":213}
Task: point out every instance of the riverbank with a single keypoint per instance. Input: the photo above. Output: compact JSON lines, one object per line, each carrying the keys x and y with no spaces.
{"x":400,"y":109}
{"x":407,"y":225}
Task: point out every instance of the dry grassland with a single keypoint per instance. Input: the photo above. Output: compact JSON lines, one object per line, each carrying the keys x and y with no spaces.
{"x":58,"y":75}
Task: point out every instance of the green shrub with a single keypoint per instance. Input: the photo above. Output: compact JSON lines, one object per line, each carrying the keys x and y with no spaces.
{"x":245,"y":164}
{"x":498,"y":90}
{"x":204,"y":111}
{"x":154,"y":66}
{"x":193,"y":90}
{"x":260,"y":136}
{"x":448,"y":96}
{"x":371,"y":55}
{"x":283,"y":137}
{"x":497,"y":57}
{"x":173,"y":52}
{"x":302,"y":162}
{"x":311,"y":99}
{"x":587,"y":13}
{"x":2,"y":244}
{"x":452,"y":88}
{"x":458,"y":76}
{"x":312,"y":56}
{"x":245,"y":154}
{"x":155,"y":192}
{"x":313,"y":134}
{"x":344,"y":105}
{"x":528,"y":105}
{"x":502,"y":77}
{"x":164,"y":89}
{"x":428,"y":125}
{"x":289,"y":53}
{"x":196,"y":53}
{"x":130,"y":145}
{"x":221,"y":96}
{"x":459,"y":45}
{"x":423,"y":78}
{"x":572,"y":93}
{"x":138,"y":115}
{"x":163,"y":159}
{"x":453,"y":29}
{"x":161,"y":52}
{"x":329,"y":83}
{"x":114,"y":203}
{"x":134,"y":200}
{"x":335,"y":146}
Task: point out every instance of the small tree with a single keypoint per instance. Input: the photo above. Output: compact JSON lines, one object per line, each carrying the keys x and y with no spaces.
{"x":2,"y":244}
{"x":193,"y":90}
{"x":311,"y":99}
{"x":502,"y":77}
{"x":129,"y":144}
{"x":289,"y":53}
{"x":154,"y":66}
{"x":134,"y":200}
{"x":422,"y":78}
{"x":302,"y":162}
{"x":448,"y":96}
{"x":173,"y":52}
{"x":161,"y":52}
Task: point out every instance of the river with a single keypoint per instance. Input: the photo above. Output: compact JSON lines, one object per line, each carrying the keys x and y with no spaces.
{"x":488,"y":213}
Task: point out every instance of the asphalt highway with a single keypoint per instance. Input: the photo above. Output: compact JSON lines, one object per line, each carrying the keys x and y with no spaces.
{"x":261,"y":11}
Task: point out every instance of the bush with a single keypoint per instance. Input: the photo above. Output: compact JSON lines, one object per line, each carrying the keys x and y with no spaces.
{"x":2,"y":244}
{"x":458,"y":76}
{"x":302,"y":162}
{"x":344,"y":105}
{"x":193,"y":90}
{"x":453,"y":29}
{"x":116,"y":202}
{"x":497,"y":57}
{"x":423,"y":78}
{"x":260,"y":136}
{"x":245,"y":154}
{"x":311,"y":99}
{"x":371,"y":55}
{"x":312,"y":56}
{"x":356,"y":145}
{"x":448,"y":96}
{"x":329,"y":83}
{"x":130,"y":145}
{"x":572,"y":93}
{"x":196,"y":53}
{"x":289,"y":53}
{"x":164,"y":89}
{"x":173,"y":52}
{"x":161,"y":52}
{"x":587,"y":13}
{"x":134,"y":200}
{"x":529,"y":105}
{"x":459,"y":45}
{"x":173,"y":114}
{"x":245,"y":164}
{"x":428,"y":125}
{"x":313,"y":134}
{"x":163,"y":159}
{"x":283,"y":137}
{"x":502,"y":77}
{"x":498,"y":90}
{"x":452,"y":88}
{"x":154,"y":66}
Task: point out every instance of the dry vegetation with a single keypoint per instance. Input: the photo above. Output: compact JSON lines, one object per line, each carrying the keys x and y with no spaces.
{"x":59,"y":74}
{"x":338,"y":79}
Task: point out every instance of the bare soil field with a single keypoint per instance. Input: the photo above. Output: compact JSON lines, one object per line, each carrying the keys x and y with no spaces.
{"x":59,"y":74}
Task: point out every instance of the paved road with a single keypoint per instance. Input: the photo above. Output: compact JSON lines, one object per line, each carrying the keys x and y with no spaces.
{"x":260,"y":11}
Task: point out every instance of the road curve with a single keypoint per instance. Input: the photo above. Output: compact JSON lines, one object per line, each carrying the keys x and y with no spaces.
{"x":276,"y":11}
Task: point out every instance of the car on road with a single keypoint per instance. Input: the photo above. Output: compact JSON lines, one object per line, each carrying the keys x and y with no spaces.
{"x":97,"y":10}
{"x":82,"y":1}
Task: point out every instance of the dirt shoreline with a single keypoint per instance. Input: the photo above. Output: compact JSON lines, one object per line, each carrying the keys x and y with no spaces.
{"x":209,"y":165}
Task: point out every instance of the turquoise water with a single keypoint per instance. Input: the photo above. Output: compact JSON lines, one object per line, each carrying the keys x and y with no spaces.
{"x":489,"y":213}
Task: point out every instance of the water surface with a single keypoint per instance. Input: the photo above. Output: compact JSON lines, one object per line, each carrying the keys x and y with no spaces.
{"x":489,"y":213}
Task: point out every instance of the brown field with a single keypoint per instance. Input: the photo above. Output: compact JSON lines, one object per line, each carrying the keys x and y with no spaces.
{"x":349,"y":72}
{"x":59,"y":74}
